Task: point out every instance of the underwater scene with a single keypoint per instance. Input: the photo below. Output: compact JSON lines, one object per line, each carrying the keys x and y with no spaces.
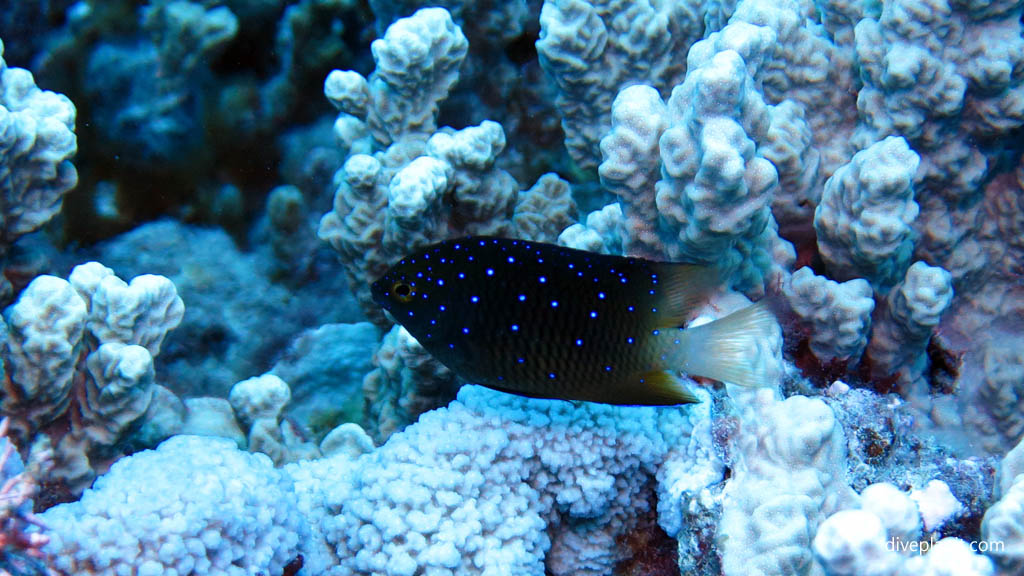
{"x":518,"y":288}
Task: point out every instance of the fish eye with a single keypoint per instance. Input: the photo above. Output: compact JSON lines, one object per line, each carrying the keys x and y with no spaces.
{"x":403,"y":291}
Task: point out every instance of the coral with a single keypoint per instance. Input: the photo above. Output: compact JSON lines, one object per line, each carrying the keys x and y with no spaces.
{"x":855,"y":542}
{"x":788,"y":146}
{"x":837,"y":316}
{"x":79,"y":359}
{"x":417,"y":61}
{"x":912,"y":311}
{"x":715,"y":191}
{"x":238,"y":320}
{"x":591,"y":50}
{"x":195,"y":505}
{"x":474,"y":485}
{"x":996,"y":389}
{"x":631,"y":165}
{"x":937,"y":96}
{"x":22,"y":534}
{"x":406,"y":381}
{"x":325,"y":368}
{"x":603,"y":232}
{"x":789,"y":473}
{"x":865,"y":216}
{"x":258,"y":404}
{"x":875,"y":147}
{"x":290,"y":235}
{"x":543,"y":211}
{"x":1004,"y":521}
{"x":712,"y":202}
{"x":798,"y":68}
{"x":146,"y":102}
{"x":428,"y":184}
{"x":185,"y":33}
{"x":37,"y":141}
{"x":881,"y":537}
{"x":310,"y":36}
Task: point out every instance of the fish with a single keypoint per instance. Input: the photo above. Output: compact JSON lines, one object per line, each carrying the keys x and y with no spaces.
{"x":547,"y":321}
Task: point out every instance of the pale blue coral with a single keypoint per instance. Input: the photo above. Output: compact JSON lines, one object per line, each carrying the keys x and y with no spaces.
{"x":195,"y":505}
{"x":37,"y":141}
{"x":120,"y":328}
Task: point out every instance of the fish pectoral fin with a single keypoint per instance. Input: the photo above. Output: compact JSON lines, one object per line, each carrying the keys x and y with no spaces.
{"x":657,"y":388}
{"x":683,"y":287}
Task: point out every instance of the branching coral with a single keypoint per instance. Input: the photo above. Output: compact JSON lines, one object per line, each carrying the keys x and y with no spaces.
{"x":712,"y":202}
{"x":37,"y":141}
{"x":913,"y":309}
{"x":591,"y":50}
{"x":865,"y":216}
{"x":428,"y":184}
{"x":79,"y":363}
{"x":406,"y":381}
{"x":837,"y":316}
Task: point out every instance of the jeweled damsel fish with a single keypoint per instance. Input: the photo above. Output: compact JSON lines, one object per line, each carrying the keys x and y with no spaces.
{"x":547,"y":321}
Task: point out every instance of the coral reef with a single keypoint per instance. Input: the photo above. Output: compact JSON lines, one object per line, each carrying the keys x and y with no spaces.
{"x":37,"y":141}
{"x":22,"y":535}
{"x":427,"y":184}
{"x":78,"y":356}
{"x":858,"y":164}
{"x":238,"y":319}
{"x":195,"y":505}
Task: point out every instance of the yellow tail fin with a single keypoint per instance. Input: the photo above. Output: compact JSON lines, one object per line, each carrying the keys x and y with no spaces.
{"x":742,"y":348}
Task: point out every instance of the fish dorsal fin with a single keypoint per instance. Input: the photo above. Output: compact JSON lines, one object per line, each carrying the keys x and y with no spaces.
{"x":656,"y":388}
{"x":681,"y":289}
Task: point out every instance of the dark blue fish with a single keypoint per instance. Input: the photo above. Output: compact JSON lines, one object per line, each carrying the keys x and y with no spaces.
{"x":547,"y":321}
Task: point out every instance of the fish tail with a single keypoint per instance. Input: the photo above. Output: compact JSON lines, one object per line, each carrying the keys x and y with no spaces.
{"x":741,"y":348}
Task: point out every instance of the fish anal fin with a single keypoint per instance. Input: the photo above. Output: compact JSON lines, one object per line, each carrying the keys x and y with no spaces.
{"x":655,"y":388}
{"x":681,"y":289}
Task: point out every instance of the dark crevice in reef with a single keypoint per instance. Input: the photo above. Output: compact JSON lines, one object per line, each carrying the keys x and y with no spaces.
{"x":651,"y":552}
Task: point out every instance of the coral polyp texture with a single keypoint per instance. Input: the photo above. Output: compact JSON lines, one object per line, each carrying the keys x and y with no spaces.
{"x":858,"y":165}
{"x":78,"y":359}
{"x":424,"y":184}
{"x":37,"y":142}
